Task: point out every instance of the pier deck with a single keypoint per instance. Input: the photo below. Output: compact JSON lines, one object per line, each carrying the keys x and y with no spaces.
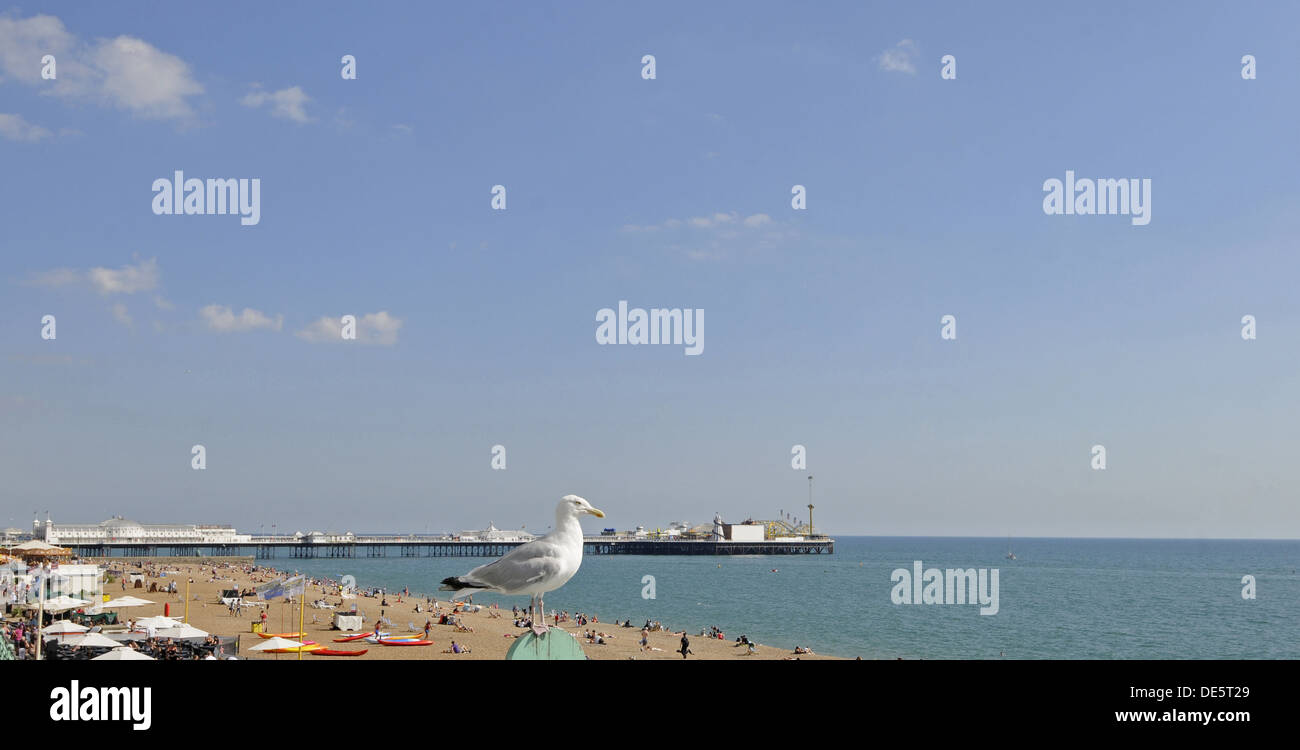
{"x":416,"y":547}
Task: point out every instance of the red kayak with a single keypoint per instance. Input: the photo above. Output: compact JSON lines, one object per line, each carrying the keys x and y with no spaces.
{"x":406,"y":643}
{"x":353,"y":637}
{"x":336,"y":652}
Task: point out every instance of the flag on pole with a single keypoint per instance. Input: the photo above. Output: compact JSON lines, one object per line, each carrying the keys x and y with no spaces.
{"x":296,"y":586}
{"x":271,"y":590}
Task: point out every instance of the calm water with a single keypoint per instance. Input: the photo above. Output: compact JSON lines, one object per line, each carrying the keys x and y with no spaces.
{"x":1063,"y":598}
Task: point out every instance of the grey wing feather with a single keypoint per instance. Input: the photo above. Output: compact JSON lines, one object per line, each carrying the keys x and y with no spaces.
{"x":518,"y":568}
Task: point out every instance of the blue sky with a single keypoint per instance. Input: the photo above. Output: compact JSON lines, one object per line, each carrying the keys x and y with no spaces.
{"x":822,"y":325}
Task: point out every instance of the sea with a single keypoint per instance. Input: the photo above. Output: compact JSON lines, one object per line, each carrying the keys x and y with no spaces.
{"x":1060,"y":599}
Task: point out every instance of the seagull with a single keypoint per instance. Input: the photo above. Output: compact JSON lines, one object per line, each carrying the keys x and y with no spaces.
{"x":534,"y":568}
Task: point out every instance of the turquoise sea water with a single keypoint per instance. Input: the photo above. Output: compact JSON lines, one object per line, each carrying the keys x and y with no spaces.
{"x":1063,"y":598}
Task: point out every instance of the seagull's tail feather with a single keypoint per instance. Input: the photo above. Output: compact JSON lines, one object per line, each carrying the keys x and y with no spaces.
{"x":462,"y":586}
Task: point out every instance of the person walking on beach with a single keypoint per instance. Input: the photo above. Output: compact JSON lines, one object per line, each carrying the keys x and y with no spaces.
{"x":428,"y":624}
{"x":686,"y":645}
{"x":645,"y":638}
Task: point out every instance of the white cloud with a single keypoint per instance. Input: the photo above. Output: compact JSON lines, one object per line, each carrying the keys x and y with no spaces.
{"x":720,"y":236}
{"x":379,"y":329}
{"x":121,"y":315}
{"x":141,"y":78}
{"x":123,"y":72}
{"x":322,"y":330}
{"x":715,"y":222}
{"x":15,"y":128}
{"x":24,"y":41}
{"x":901,"y":58}
{"x":286,"y":104}
{"x":128,"y":279}
{"x":222,"y":319}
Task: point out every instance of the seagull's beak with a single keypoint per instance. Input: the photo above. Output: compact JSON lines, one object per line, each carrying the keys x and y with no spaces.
{"x":597,"y":512}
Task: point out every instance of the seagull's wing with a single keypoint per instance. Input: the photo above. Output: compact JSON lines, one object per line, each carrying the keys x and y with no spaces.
{"x":523,"y":566}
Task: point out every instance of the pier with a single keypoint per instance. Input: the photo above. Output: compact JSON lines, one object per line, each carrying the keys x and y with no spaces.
{"x":414,"y":546}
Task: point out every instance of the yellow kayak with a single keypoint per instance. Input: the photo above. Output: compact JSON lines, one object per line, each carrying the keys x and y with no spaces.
{"x":281,"y":635}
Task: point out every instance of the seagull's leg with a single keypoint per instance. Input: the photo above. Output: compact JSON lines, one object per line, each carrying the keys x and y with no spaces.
{"x":539,"y":620}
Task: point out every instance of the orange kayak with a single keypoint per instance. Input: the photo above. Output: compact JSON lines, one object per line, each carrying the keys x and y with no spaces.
{"x":350,"y":638}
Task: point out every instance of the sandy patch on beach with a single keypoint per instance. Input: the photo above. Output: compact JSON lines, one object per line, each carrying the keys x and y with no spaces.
{"x":489,"y":639}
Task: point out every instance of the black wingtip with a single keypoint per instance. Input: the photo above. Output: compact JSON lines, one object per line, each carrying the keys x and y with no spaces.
{"x":453,"y":583}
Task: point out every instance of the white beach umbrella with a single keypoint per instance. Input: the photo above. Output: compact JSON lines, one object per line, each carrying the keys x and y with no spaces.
{"x":63,"y":602}
{"x":271,"y":644}
{"x":63,"y":627}
{"x":125,"y":601}
{"x":90,"y":640}
{"x":181,"y":631}
{"x":123,"y":654}
{"x":157,"y":623}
